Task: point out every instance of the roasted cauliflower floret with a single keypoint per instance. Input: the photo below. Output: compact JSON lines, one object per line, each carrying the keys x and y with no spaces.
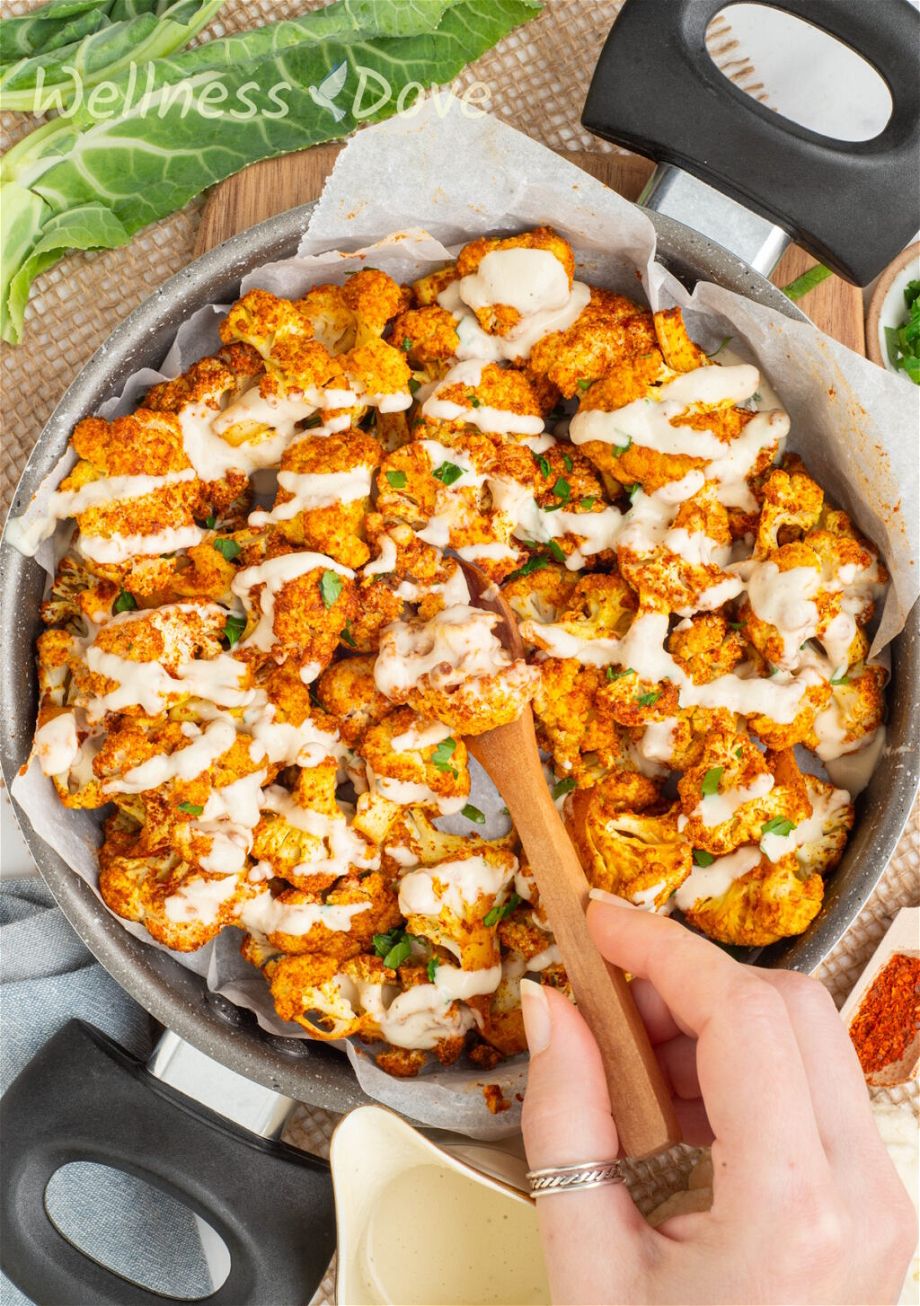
{"x":853,"y":715}
{"x":735,"y":791}
{"x":792,"y":504}
{"x":482,"y":285}
{"x":300,"y":604}
{"x":769,"y":902}
{"x":706,"y":646}
{"x":348,"y":693}
{"x":454,"y":669}
{"x":428,"y":337}
{"x":610,"y":336}
{"x":331,"y":999}
{"x":641,"y":856}
{"x":575,"y":722}
{"x":492,"y":398}
{"x":540,"y":590}
{"x":415,"y":762}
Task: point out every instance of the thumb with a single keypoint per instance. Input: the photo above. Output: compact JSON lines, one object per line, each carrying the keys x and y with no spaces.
{"x":567,"y":1121}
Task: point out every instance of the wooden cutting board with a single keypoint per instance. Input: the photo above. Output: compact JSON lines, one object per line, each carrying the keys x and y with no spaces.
{"x":264,"y":189}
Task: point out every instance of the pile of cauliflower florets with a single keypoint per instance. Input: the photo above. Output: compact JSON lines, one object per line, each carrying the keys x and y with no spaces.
{"x":261,"y":652}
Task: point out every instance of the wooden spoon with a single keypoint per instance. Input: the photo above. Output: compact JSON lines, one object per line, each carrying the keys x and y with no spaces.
{"x":639,"y":1096}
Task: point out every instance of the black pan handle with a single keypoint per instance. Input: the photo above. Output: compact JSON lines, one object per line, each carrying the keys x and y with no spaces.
{"x":83,"y":1098}
{"x":853,"y":204}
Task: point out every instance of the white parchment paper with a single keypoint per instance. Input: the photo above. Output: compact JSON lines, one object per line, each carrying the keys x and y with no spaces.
{"x":436,"y":180}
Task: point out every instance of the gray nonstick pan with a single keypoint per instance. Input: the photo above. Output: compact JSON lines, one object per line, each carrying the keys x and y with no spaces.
{"x":210,"y":1105}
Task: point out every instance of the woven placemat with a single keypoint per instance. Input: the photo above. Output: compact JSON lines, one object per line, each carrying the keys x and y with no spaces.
{"x":538,"y":77}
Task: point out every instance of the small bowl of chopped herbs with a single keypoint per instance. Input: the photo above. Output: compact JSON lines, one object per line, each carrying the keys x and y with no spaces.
{"x":893,"y":320}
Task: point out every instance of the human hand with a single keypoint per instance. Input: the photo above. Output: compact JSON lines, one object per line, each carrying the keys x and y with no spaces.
{"x":807,"y":1205}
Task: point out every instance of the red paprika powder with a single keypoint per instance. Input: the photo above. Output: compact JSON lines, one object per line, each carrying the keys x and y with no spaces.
{"x":888,"y":1016}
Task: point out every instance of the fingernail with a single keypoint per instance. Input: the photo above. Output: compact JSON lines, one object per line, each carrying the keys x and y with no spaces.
{"x":601,"y":895}
{"x":537,"y":1021}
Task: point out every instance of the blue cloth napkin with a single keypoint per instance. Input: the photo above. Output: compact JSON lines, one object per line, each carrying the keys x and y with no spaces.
{"x":47,"y":977}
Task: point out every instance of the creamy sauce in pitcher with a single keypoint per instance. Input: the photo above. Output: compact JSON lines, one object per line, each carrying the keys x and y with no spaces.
{"x":436,"y":1238}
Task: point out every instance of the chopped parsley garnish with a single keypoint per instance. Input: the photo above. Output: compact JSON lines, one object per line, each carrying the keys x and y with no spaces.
{"x":499,"y":913}
{"x":557,"y":551}
{"x":473,"y":814}
{"x":191,"y":809}
{"x":441,"y":756}
{"x":719,"y":347}
{"x":414,"y":385}
{"x":447,"y":473}
{"x":347,"y":637}
{"x":772,"y":670}
{"x":632,"y":491}
{"x":394,"y":946}
{"x":613,"y":674}
{"x":536,"y":563}
{"x":551,"y":507}
{"x":397,"y":479}
{"x":211,"y":520}
{"x":903,"y":342}
{"x":563,"y":787}
{"x":473,"y":401}
{"x":567,"y":463}
{"x":646,"y":700}
{"x":739,"y":752}
{"x":406,"y":344}
{"x":840,"y":677}
{"x":330,"y":587}
{"x":702,"y":858}
{"x":734,"y":625}
{"x":228,"y":549}
{"x":562,"y":490}
{"x":587,"y":502}
{"x":779,"y":825}
{"x":711,"y":780}
{"x":619,"y":449}
{"x":543,"y":464}
{"x":125,"y":602}
{"x":433,"y":964}
{"x":233,"y":629}
{"x":584,"y":385}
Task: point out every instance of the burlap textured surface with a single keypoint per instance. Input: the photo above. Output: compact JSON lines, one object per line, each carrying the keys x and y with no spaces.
{"x":537,"y":77}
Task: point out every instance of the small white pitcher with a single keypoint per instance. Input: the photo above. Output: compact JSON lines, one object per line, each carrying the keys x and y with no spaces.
{"x":419,"y":1226}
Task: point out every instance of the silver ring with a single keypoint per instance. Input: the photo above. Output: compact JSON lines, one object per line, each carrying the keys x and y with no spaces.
{"x":569,"y":1178}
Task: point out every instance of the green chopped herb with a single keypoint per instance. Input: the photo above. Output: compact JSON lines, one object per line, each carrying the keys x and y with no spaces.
{"x":543,"y":464}
{"x":447,"y":473}
{"x":228,"y":549}
{"x":414,"y":385}
{"x":503,"y":811}
{"x":734,"y":625}
{"x":840,"y":677}
{"x":807,"y":281}
{"x":646,"y":700}
{"x":347,"y":637}
{"x":739,"y":752}
{"x":619,"y":449}
{"x":473,"y":814}
{"x":474,"y":401}
{"x":563,"y":787}
{"x":399,"y":953}
{"x":551,"y":507}
{"x":406,"y":344}
{"x":779,"y":825}
{"x":557,"y":551}
{"x":191,"y":809}
{"x":499,"y":913}
{"x":211,"y":520}
{"x":719,"y":347}
{"x":433,"y":964}
{"x":397,"y":479}
{"x":773,"y":670}
{"x":614,"y":674}
{"x":757,"y":397}
{"x":125,"y":602}
{"x":441,"y":756}
{"x":536,"y":563}
{"x":567,"y":463}
{"x":584,"y":385}
{"x":702,"y":858}
{"x":633,"y":490}
{"x":330,"y":587}
{"x":233,"y":629}
{"x":711,"y":780}
{"x":903,"y":342}
{"x":587,"y":502}
{"x":562,"y":490}
{"x":383,"y":943}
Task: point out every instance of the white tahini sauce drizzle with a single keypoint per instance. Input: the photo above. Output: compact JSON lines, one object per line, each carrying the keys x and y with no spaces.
{"x":716,"y":809}
{"x":56,"y":745}
{"x":714,"y":880}
{"x":312,"y":490}
{"x":422,"y":1017}
{"x":474,"y":342}
{"x":119,"y":548}
{"x":457,"y":885}
{"x":186,"y":763}
{"x":272,"y":576}
{"x":496,"y":420}
{"x":455,"y":646}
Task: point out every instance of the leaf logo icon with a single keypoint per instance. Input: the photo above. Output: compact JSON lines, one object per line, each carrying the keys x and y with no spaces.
{"x":329,"y":88}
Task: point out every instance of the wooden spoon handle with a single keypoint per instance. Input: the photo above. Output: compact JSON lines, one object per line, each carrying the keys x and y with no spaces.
{"x":639,"y":1096}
